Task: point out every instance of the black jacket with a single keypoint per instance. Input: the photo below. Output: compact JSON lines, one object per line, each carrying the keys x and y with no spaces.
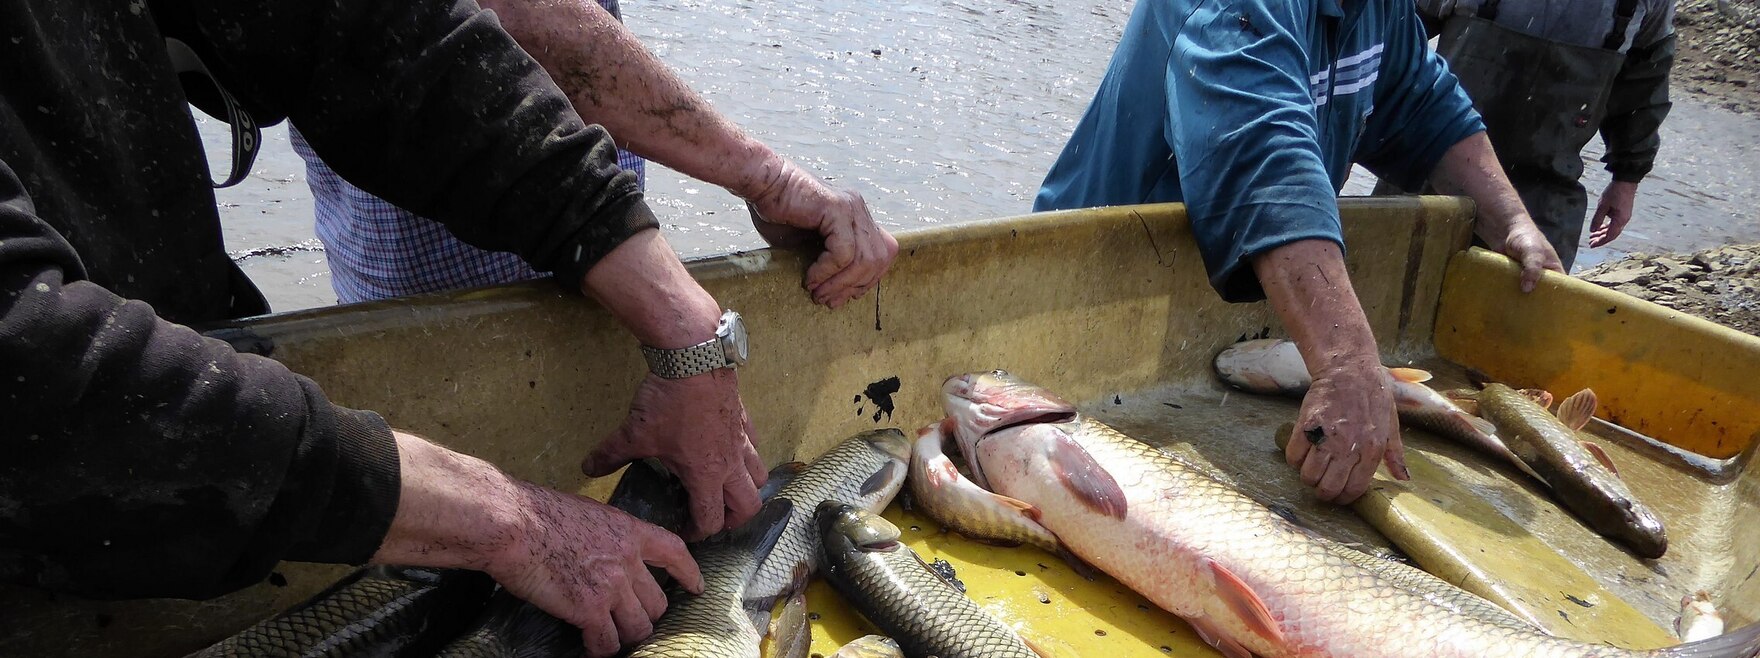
{"x":138,"y":458}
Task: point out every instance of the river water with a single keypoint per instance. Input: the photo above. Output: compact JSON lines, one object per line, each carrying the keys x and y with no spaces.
{"x":937,"y":111}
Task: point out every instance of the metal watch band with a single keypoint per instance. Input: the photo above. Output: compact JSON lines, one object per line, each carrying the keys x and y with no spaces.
{"x":686,"y":362}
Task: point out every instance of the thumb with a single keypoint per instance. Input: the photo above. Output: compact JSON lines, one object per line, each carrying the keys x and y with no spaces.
{"x":1396,"y":458}
{"x":610,"y":455}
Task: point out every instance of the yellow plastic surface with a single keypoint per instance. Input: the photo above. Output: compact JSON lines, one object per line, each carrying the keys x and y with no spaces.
{"x":1663,"y":373}
{"x":1454,"y":534}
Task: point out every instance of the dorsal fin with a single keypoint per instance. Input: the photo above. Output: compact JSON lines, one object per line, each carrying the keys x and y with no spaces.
{"x":1576,"y":410}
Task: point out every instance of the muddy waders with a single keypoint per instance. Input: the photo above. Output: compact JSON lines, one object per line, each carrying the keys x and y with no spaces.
{"x":1542,"y":102}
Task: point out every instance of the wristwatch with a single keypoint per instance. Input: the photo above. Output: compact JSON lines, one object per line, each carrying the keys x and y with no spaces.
{"x":727,"y":349}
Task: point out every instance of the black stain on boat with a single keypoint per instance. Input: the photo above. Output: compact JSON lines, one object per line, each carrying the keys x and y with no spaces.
{"x":1578,"y":601}
{"x":880,"y":393}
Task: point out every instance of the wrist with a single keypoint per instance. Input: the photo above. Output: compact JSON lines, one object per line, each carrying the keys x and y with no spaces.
{"x":454,"y":511}
{"x":763,"y":176}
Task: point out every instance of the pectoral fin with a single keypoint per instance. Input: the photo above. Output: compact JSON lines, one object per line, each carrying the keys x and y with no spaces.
{"x":1576,"y":410}
{"x":1600,"y":455}
{"x":1086,"y":479}
{"x":1241,"y":599}
{"x":1412,"y":375}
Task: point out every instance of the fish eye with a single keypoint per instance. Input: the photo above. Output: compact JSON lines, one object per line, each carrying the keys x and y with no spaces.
{"x":999,"y":373}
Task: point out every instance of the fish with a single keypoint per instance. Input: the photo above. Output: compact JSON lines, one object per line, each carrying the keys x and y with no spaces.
{"x":1273,"y":366}
{"x":791,"y":633}
{"x":1581,"y":474}
{"x":964,"y":507}
{"x":870,"y":646}
{"x":1699,"y":619}
{"x":1247,"y":580}
{"x":867,"y":470}
{"x":718,"y":623}
{"x":375,"y":611}
{"x":907,"y":599}
{"x":512,"y":628}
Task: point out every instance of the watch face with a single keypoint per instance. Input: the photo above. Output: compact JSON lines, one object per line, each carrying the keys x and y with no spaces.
{"x":733,"y":339}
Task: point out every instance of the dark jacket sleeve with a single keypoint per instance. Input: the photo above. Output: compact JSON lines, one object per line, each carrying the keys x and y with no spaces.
{"x":142,"y":459}
{"x":428,"y":104}
{"x":1635,"y":110}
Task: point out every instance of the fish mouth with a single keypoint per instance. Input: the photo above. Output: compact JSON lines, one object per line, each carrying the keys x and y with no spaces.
{"x":1024,"y":417}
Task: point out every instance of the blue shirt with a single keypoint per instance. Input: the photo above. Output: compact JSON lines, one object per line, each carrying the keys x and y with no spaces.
{"x":1251,"y":112}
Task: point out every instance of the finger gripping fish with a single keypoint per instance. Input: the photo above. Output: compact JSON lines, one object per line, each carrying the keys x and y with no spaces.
{"x":1250,"y":582}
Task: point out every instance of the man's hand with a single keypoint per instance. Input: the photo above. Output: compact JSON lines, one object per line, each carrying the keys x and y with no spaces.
{"x":573,"y":557}
{"x":793,"y":209}
{"x":1346,"y":428}
{"x":1612,"y":213}
{"x":586,"y":563}
{"x":1471,"y":168}
{"x":698,"y":428}
{"x":1527,"y":246}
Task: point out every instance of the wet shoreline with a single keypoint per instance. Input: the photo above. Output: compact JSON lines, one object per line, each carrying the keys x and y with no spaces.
{"x":941,"y":113}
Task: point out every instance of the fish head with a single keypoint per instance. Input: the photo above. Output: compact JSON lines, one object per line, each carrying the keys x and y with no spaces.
{"x":891,"y":443}
{"x":1268,"y":366}
{"x":843,"y":526}
{"x":1643,"y":532}
{"x":982,"y":405}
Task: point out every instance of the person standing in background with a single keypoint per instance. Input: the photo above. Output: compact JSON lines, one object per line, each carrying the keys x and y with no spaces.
{"x":377,"y":250}
{"x":1547,"y":75}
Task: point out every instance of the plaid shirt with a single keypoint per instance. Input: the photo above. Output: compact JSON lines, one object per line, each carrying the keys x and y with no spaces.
{"x":377,"y":250}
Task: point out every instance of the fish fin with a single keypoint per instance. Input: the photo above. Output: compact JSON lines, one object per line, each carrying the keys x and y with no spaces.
{"x":1077,"y":564}
{"x":887,"y":474}
{"x":760,"y":535}
{"x":1085,"y":478}
{"x":1412,"y":375}
{"x":1215,"y":637}
{"x":1241,"y":599}
{"x":1600,"y":455}
{"x":1025,"y":508}
{"x":1577,"y":409}
{"x":780,"y":476}
{"x":1467,"y":401}
{"x":1540,"y":396}
{"x":1740,"y":643}
{"x":1482,"y":425}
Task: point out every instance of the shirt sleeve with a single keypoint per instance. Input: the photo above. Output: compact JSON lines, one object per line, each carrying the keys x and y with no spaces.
{"x":1636,"y":107}
{"x":429,"y":105}
{"x":1244,"y":135}
{"x":142,"y":459}
{"x":1420,"y":110}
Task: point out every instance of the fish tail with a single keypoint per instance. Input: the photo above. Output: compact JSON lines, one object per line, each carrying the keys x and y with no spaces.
{"x":1741,"y":643}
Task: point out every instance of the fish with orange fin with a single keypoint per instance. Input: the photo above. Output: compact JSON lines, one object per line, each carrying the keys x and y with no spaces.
{"x":1249,"y":581}
{"x":1273,"y":366}
{"x":1582,"y":475}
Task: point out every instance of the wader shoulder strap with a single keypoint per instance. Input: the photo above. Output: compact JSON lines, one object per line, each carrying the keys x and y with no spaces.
{"x":246,"y":137}
{"x":1622,"y":19}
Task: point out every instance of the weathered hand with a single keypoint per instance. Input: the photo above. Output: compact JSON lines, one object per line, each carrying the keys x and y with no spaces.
{"x":1612,"y":213}
{"x":794,"y":209}
{"x":1347,"y":427}
{"x":1528,"y":247}
{"x":698,"y":428}
{"x":586,"y":563}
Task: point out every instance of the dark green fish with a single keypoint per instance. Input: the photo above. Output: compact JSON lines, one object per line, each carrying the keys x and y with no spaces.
{"x":719,"y":622}
{"x":375,"y":612}
{"x":909,"y":600}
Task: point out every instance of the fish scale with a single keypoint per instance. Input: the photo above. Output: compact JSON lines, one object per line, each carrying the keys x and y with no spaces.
{"x":743,"y":577}
{"x":1183,"y":539}
{"x":715,"y":623}
{"x":839,"y":474}
{"x":380,"y":611}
